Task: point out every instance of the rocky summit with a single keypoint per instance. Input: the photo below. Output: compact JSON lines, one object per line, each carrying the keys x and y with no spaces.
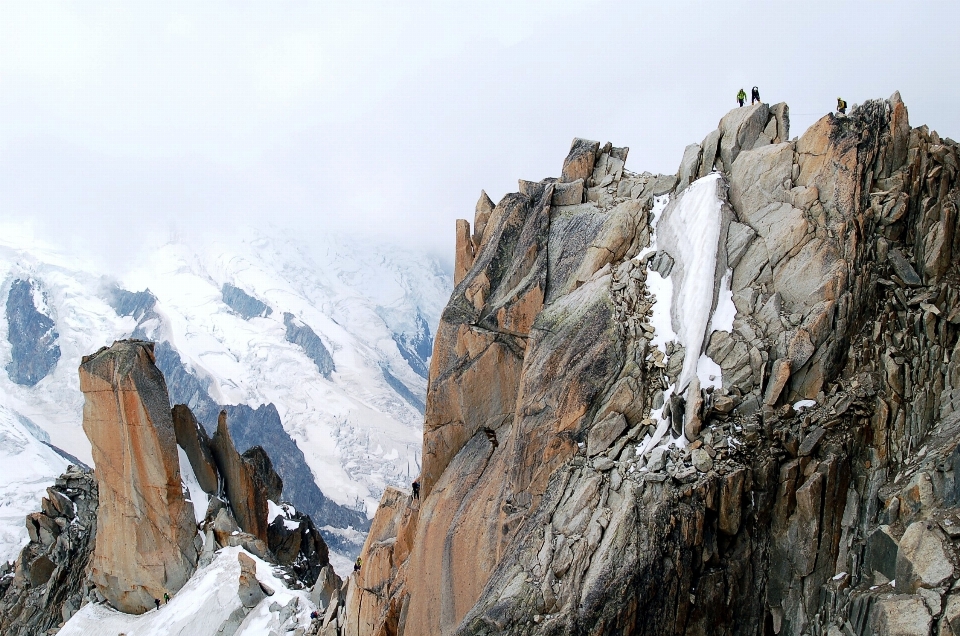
{"x":723,"y":401}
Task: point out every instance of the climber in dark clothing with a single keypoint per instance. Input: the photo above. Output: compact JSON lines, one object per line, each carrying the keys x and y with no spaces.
{"x":157,"y":601}
{"x":741,"y":97}
{"x":416,"y":489}
{"x":754,"y":95}
{"x":841,"y":106}
{"x":356,"y":566}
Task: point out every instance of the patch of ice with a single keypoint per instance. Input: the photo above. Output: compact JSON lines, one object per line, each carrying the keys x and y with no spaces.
{"x":198,"y":498}
{"x":273,"y":511}
{"x":804,"y":404}
{"x":690,"y":232}
{"x":726,"y":311}
{"x":709,"y":372}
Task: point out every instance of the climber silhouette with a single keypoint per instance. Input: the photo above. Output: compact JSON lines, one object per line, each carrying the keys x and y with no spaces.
{"x":754,"y":95}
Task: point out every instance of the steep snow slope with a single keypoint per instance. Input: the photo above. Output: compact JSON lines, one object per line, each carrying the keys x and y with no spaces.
{"x":358,"y":426}
{"x":27,"y":465}
{"x":201,"y":607}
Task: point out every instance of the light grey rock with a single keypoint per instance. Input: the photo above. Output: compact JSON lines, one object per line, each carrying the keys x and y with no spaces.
{"x":568,"y":193}
{"x":783,"y":227}
{"x":781,"y":113}
{"x":750,"y":265}
{"x":802,"y":279}
{"x":900,"y":615}
{"x":689,"y":166}
{"x":657,"y":459}
{"x":603,"y":464}
{"x":923,"y":560}
{"x":739,"y":130}
{"x":739,"y":237}
{"x":701,"y":460}
{"x":709,"y":153}
{"x":757,"y":180}
{"x":605,"y":432}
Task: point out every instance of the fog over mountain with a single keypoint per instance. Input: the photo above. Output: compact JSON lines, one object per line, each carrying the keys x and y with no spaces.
{"x":386,"y":118}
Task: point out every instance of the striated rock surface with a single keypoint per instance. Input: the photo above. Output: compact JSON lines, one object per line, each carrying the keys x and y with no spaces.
{"x":598,"y":460}
{"x":146,"y":530}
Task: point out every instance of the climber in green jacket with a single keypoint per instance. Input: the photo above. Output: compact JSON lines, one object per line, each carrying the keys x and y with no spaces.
{"x":841,"y":106}
{"x":741,"y":97}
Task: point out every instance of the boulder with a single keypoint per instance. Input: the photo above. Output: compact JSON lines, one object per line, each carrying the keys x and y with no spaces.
{"x":923,"y":560}
{"x":146,"y":529}
{"x":568,"y":193}
{"x":739,"y":130}
{"x":580,"y":160}
{"x":689,"y":166}
{"x":326,"y":587}
{"x":249,"y":589}
{"x":900,"y":615}
{"x":605,"y":432}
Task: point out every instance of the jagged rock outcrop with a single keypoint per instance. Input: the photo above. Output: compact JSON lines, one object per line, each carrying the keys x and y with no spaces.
{"x":248,"y":426}
{"x":300,"y":333}
{"x":243,"y":303}
{"x":249,"y":479}
{"x":145,"y":544}
{"x":599,"y":459}
{"x":48,"y":582}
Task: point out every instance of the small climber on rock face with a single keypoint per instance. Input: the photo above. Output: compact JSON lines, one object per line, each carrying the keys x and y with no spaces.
{"x":841,"y":106}
{"x":754,"y":95}
{"x":157,"y":602}
{"x":741,"y":97}
{"x":356,"y":566}
{"x":166,"y":598}
{"x":416,"y":489}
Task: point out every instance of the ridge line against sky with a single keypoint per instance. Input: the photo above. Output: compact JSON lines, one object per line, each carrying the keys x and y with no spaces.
{"x":181,"y":119}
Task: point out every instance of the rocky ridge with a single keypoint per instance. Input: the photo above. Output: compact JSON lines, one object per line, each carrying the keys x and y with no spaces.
{"x":799,"y":480}
{"x":157,"y":470}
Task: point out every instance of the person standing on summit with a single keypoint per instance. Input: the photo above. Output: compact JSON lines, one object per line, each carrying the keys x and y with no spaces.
{"x":754,"y":95}
{"x":741,"y":97}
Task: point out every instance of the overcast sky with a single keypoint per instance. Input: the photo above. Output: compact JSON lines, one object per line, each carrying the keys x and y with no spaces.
{"x":123,"y":125}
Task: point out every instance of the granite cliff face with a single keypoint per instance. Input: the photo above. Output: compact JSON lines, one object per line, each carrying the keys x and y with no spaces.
{"x":146,"y":528}
{"x":723,"y":401}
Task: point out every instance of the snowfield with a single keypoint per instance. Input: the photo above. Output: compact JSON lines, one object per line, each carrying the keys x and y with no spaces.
{"x":200,"y":607}
{"x":359,"y":433}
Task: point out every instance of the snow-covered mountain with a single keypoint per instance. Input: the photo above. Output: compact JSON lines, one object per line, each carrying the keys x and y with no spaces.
{"x":320,"y":353}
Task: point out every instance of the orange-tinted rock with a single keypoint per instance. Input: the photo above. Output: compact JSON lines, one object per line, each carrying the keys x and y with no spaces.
{"x":249,"y":480}
{"x":146,"y":529}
